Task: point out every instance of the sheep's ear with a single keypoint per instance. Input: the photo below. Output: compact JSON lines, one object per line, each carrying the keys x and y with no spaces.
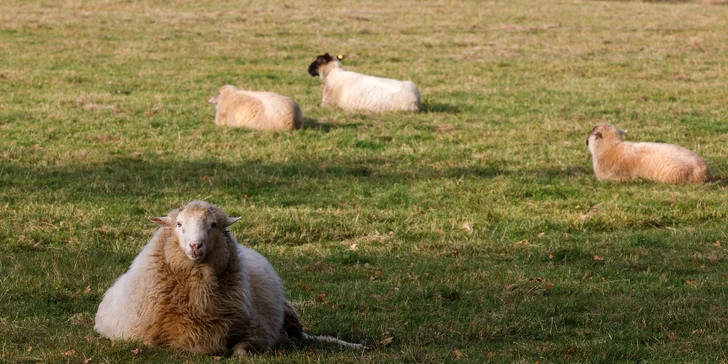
{"x":162,"y":221}
{"x":622,"y":132}
{"x":340,"y":57}
{"x":232,"y":220}
{"x":215,"y":99}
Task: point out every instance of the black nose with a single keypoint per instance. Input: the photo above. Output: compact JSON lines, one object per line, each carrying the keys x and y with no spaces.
{"x":587,"y":142}
{"x":313,"y":69}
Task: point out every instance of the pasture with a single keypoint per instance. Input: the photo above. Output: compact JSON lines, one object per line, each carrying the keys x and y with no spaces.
{"x":473,"y":231}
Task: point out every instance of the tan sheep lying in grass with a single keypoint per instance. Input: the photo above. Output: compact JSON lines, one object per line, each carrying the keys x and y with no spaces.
{"x":615,"y":159}
{"x":256,"y":110}
{"x":193,"y":287}
{"x":355,"y":91}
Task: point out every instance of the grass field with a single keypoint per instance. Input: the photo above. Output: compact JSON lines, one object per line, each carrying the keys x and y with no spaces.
{"x":473,"y":231}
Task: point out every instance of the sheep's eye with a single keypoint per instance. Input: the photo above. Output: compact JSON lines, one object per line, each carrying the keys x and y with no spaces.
{"x":179,"y":224}
{"x":213,"y":225}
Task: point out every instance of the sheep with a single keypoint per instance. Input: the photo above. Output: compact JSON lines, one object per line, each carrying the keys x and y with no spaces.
{"x":355,"y":91}
{"x":615,"y":159}
{"x":256,"y":110}
{"x":195,"y":288}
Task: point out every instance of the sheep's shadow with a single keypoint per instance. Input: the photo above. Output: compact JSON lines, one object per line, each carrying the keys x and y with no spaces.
{"x":553,"y":173}
{"x":434,"y":107}
{"x":721,"y":181}
{"x":313,"y":124}
{"x":485,"y":171}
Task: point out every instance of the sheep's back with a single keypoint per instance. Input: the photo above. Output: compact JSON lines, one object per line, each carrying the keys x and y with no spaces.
{"x":272,"y":111}
{"x":242,"y":109}
{"x":377,"y":94}
{"x":655,"y":161}
{"x":281,"y":112}
{"x":671,"y":163}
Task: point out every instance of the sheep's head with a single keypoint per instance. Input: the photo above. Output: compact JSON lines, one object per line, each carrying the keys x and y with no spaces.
{"x":602,"y":133}
{"x":198,"y":226}
{"x":315,"y":68}
{"x":222,"y":92}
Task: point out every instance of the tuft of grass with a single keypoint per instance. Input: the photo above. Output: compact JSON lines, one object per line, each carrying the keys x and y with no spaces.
{"x":472,"y":231}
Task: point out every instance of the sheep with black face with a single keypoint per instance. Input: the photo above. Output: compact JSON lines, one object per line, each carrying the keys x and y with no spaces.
{"x":619,"y":160}
{"x":355,"y":91}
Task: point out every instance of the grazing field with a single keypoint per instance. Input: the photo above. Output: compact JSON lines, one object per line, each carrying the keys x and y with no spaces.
{"x":472,"y":231}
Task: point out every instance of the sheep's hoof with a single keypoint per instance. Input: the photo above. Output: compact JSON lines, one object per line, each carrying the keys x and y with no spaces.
{"x":241,"y":349}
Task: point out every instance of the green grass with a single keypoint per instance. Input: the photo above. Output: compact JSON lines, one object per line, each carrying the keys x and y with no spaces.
{"x":493,"y":238}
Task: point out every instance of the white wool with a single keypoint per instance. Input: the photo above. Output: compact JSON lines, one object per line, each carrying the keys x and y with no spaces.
{"x":370,"y":93}
{"x":118,"y":313}
{"x":256,"y":110}
{"x":616,"y":159}
{"x":132,"y":303}
{"x":355,"y":91}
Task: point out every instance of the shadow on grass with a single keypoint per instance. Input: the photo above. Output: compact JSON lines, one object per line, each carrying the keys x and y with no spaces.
{"x":552,"y":173}
{"x":488,"y":171}
{"x":434,"y":107}
{"x":278,"y":183}
{"x":317,"y":182}
{"x":721,"y":181}
{"x":313,"y":124}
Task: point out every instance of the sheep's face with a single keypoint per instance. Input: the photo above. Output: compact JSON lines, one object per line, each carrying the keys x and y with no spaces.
{"x":220,"y":93}
{"x":320,"y":61}
{"x":198,"y":226}
{"x":194,"y":230}
{"x":603,"y":133}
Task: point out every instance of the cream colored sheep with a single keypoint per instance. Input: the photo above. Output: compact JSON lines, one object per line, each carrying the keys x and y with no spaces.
{"x":615,"y":159}
{"x":256,"y":110}
{"x":193,"y":287}
{"x":355,"y":91}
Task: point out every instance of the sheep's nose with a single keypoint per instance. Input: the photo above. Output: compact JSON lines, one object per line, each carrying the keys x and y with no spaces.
{"x":195,"y":247}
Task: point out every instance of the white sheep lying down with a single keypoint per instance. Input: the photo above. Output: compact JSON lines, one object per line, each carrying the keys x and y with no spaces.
{"x":193,"y":287}
{"x":355,"y":91}
{"x":256,"y":110}
{"x":615,"y":159}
